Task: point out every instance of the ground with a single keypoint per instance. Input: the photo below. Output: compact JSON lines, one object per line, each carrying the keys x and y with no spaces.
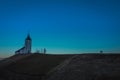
{"x":61,"y":67}
{"x":30,"y":65}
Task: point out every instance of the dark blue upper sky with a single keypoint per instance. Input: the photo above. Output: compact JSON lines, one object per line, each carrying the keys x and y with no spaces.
{"x":61,"y":26}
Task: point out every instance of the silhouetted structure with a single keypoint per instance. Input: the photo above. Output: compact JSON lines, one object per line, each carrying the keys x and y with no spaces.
{"x":27,"y":47}
{"x":45,"y":51}
{"x":101,"y":51}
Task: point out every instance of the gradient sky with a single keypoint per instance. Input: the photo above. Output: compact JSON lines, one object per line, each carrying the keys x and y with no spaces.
{"x":60,"y":26}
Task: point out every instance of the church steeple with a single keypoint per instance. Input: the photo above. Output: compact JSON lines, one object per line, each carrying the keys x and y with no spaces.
{"x":28,"y":44}
{"x":28,"y":37}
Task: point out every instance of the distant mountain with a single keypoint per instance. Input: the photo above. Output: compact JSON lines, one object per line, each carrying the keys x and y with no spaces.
{"x":88,"y":67}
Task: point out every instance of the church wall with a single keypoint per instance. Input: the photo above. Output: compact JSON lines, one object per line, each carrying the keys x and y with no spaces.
{"x":28,"y":46}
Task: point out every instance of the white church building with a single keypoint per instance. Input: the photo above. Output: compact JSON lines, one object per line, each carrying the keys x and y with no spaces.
{"x":26,"y":49}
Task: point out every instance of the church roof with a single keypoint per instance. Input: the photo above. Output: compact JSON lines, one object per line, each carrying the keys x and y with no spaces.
{"x":20,"y":49}
{"x":28,"y":37}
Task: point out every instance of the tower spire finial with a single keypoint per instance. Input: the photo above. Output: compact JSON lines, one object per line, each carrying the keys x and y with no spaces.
{"x":28,"y":37}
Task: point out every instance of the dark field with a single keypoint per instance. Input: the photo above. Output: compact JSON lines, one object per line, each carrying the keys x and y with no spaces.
{"x":89,"y":67}
{"x":20,"y":67}
{"x":61,"y":67}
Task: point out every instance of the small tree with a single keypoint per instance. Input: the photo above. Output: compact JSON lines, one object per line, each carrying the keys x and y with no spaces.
{"x":101,"y":51}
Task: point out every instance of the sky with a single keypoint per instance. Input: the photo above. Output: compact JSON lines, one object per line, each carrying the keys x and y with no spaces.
{"x":60,"y":26}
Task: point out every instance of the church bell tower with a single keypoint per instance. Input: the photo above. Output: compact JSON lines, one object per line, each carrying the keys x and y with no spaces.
{"x":28,"y":44}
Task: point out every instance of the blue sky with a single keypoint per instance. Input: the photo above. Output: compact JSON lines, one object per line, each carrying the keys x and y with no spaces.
{"x":61,"y":26}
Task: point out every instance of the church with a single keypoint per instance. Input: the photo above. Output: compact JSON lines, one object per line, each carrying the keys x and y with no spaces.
{"x":26,"y":49}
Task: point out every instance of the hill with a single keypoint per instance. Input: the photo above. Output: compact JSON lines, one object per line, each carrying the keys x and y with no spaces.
{"x":29,"y":67}
{"x":61,"y":67}
{"x":88,"y":67}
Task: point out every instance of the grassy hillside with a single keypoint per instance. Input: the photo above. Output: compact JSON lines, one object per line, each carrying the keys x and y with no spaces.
{"x":36,"y":63}
{"x":61,"y":67}
{"x":31,"y":64}
{"x":88,"y":67}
